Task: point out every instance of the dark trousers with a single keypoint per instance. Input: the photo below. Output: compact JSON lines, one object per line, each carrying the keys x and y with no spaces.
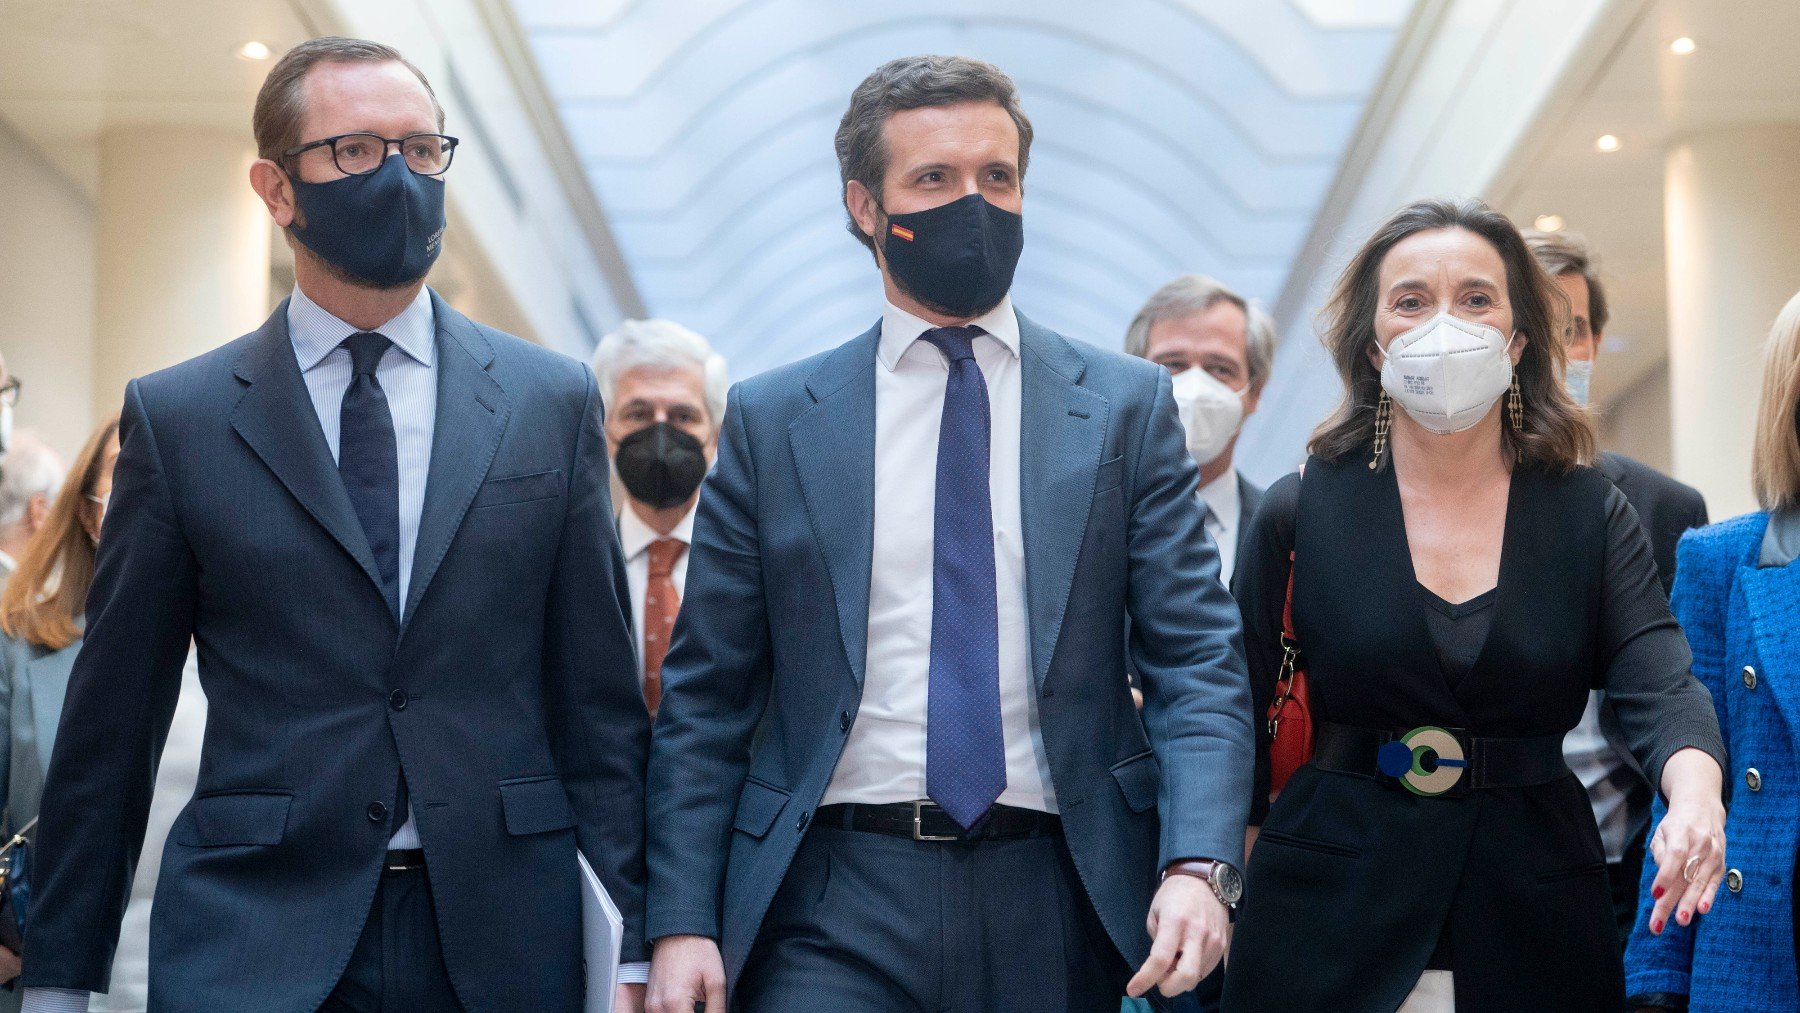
{"x":397,"y":964}
{"x":868,"y":922}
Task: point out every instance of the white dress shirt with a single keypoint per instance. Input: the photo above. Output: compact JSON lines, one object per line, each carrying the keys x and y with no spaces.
{"x":884,"y":758}
{"x":635,"y":537}
{"x":1224,"y":510}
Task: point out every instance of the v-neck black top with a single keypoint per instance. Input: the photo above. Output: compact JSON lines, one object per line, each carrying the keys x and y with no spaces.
{"x":1458,"y":631}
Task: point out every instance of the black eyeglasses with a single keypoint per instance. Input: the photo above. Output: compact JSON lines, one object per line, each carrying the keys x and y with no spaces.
{"x":9,"y":391}
{"x":361,"y":154}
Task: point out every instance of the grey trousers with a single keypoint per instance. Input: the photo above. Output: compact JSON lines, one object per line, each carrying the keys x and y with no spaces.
{"x":867,"y":922}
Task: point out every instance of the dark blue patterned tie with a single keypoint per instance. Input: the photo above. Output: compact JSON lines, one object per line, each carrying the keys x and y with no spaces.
{"x":369,"y":461}
{"x":965,"y":750}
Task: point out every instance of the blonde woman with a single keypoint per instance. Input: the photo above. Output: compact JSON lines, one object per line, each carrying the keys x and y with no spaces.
{"x":1737,"y":594}
{"x":41,"y":616}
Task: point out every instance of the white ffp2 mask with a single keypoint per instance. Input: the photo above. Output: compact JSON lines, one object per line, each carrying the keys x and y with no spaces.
{"x":1210,"y":413}
{"x":1447,"y":372}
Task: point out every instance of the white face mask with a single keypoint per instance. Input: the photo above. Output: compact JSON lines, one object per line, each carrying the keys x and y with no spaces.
{"x":1210,"y":412}
{"x":1447,"y":372}
{"x":1579,"y":375}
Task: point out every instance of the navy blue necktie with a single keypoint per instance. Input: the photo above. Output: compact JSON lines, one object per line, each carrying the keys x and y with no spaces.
{"x":369,"y":461}
{"x":965,"y":750}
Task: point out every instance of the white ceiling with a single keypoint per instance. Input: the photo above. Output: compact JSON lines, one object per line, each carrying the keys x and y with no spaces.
{"x":1172,"y":136}
{"x":1743,"y":71}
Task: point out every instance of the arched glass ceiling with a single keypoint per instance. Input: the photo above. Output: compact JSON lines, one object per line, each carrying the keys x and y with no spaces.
{"x":1172,"y":135}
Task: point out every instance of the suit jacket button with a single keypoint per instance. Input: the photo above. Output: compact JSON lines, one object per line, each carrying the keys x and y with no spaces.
{"x":1749,"y":677}
{"x":1734,"y":881}
{"x":801,"y":824}
{"x":378,"y":813}
{"x":397,"y":699}
{"x":844,"y":722}
{"x":1753,"y":778}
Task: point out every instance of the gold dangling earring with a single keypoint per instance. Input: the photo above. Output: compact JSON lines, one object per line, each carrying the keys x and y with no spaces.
{"x":1383,"y":416}
{"x":1515,"y":405}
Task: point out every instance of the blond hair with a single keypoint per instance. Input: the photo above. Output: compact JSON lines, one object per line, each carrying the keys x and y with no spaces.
{"x":1775,"y":461}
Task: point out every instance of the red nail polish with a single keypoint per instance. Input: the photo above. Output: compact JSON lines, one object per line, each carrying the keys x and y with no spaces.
{"x":1657,"y":893}
{"x":1656,"y":926}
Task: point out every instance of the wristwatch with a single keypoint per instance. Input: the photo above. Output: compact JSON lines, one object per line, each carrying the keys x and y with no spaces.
{"x":1226,"y":882}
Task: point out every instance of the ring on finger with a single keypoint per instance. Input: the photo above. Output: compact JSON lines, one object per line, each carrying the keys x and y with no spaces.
{"x":1687,"y":870}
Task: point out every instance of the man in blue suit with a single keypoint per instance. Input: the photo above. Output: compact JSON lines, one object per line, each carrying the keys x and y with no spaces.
{"x":897,"y":764}
{"x":388,"y":530}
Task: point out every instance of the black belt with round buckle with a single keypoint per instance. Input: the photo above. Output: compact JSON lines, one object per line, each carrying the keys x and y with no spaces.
{"x":404,"y":860}
{"x":1436,"y":762}
{"x":925,"y":821}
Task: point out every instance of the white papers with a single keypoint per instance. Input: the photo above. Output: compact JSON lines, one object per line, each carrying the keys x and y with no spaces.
{"x":602,"y":930}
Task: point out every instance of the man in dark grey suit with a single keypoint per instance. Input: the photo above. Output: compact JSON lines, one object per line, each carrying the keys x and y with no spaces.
{"x":387,"y":528}
{"x":1666,"y":508}
{"x":896,"y":764}
{"x":1219,"y":348}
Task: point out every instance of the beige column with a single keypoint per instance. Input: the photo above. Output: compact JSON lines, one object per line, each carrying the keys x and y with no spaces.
{"x":182,"y":251}
{"x":1732,"y":199}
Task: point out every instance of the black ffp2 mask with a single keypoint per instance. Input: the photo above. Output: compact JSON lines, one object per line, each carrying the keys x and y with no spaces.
{"x":956,"y":258}
{"x":661,"y":465}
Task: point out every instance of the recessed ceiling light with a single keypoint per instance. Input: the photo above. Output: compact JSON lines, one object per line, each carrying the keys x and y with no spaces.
{"x":1607,"y":143}
{"x":253,"y":50}
{"x":1682,"y":46}
{"x":1549,"y":223}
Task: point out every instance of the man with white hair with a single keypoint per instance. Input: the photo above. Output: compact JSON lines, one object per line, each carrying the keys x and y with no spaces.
{"x":1220,"y":349}
{"x":664,"y":389}
{"x":30,"y":475}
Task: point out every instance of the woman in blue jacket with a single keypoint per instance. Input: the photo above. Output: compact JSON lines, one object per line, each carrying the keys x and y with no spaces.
{"x":1737,"y":594}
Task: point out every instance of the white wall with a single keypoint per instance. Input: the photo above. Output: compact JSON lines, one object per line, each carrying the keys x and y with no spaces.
{"x":46,"y":294}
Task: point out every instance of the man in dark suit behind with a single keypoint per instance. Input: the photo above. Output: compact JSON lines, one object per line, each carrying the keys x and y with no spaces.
{"x":388,"y":530}
{"x":1596,"y":748}
{"x":896,"y":764}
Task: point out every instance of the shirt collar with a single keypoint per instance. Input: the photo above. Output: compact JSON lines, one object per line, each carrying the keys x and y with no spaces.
{"x":1222,"y":496}
{"x":635,"y":536}
{"x":315,"y":331}
{"x":899,"y":329}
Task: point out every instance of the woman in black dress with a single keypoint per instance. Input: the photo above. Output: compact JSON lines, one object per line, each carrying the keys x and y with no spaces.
{"x":1460,"y":581}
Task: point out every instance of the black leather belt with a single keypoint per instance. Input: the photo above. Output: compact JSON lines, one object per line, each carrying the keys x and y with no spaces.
{"x":404,"y":860}
{"x":1439,"y":762}
{"x":924,"y":821}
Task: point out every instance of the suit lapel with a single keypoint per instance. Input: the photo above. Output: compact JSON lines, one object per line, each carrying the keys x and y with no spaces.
{"x":833,"y":443}
{"x":1063,"y":427}
{"x":1773,"y":596}
{"x":276,"y":418}
{"x":472,"y":410}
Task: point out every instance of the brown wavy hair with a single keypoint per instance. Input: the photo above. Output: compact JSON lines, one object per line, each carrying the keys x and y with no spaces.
{"x":1556,"y":435}
{"x":48,"y":592}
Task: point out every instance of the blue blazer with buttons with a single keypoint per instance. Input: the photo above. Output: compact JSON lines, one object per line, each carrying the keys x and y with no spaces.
{"x":1743,"y":623}
{"x":508,"y":695}
{"x":765,"y":671}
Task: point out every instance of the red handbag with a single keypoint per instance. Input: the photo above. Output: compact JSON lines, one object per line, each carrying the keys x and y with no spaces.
{"x":1290,"y":713}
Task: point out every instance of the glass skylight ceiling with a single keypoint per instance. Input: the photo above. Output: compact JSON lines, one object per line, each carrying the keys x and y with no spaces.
{"x":1172,"y":136}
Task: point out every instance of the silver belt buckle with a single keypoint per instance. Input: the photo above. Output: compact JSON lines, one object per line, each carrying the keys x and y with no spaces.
{"x":919,"y":833}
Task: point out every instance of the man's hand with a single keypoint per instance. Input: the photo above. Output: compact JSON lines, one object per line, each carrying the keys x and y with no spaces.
{"x":1188,"y":932}
{"x":9,"y":965}
{"x":685,"y":970}
{"x":628,"y":998}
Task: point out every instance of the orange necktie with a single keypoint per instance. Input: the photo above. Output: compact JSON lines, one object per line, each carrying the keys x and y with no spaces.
{"x":661,"y":602}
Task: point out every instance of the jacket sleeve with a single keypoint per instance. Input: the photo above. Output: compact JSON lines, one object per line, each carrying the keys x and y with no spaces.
{"x":1662,"y":963}
{"x":599,"y":727}
{"x":121,"y":698}
{"x":715,"y":685}
{"x":1262,"y":579}
{"x":1187,"y":646}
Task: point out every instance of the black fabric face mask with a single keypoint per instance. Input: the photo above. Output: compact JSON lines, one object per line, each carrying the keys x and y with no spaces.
{"x":957,"y":258}
{"x":661,"y":465}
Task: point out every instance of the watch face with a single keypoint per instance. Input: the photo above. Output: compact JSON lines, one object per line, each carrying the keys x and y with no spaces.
{"x":1229,"y":882}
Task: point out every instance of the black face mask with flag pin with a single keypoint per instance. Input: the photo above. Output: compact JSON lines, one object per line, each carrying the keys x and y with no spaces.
{"x":957,"y":258}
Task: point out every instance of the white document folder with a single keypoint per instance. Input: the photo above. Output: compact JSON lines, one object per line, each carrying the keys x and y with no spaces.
{"x":602,"y":929}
